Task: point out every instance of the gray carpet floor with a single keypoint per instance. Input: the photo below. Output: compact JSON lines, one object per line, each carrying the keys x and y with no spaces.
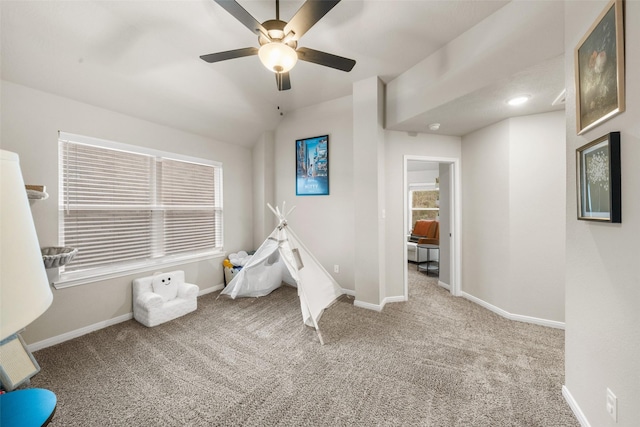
{"x":433,"y":361}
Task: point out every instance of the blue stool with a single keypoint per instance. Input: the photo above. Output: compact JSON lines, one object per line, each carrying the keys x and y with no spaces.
{"x":27,"y":407}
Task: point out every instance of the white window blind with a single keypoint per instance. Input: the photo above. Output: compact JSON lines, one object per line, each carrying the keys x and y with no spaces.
{"x":191,"y":218}
{"x":123,"y":208}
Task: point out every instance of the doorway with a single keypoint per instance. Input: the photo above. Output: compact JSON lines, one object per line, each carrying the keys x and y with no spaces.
{"x":442,"y":175}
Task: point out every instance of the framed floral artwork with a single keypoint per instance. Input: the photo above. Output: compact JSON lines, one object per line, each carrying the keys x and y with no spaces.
{"x":599,"y":179}
{"x":599,"y":65}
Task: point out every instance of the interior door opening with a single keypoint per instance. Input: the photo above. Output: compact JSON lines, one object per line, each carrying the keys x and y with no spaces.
{"x":431,"y":188}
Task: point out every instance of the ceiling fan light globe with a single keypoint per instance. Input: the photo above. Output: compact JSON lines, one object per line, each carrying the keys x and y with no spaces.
{"x":277,"y":57}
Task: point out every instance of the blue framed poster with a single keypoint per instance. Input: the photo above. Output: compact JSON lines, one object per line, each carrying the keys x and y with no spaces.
{"x":312,"y":166}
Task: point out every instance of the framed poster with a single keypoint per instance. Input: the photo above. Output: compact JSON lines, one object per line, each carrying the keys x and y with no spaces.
{"x":599,"y":179}
{"x":312,"y":166}
{"x":599,"y":64}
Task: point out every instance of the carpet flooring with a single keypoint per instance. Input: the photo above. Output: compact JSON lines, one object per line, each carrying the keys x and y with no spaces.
{"x":435,"y":360}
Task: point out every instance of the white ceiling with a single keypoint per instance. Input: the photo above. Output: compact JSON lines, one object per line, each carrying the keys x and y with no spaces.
{"x":141,"y":58}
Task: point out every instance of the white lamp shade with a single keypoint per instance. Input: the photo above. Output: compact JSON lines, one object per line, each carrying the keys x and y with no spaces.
{"x":24,"y":288}
{"x":278,"y":57}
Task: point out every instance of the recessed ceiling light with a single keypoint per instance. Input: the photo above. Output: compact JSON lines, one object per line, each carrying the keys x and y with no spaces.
{"x":434,"y":126}
{"x":518,"y":100}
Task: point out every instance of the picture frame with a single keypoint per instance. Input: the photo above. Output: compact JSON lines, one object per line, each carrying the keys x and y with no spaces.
{"x":599,"y":180}
{"x":599,"y":69}
{"x":312,"y":166}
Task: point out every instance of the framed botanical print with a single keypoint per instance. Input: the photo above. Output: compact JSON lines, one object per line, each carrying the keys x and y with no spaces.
{"x":599,"y":179}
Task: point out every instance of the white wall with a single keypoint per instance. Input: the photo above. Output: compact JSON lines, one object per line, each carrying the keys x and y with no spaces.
{"x":513,"y":228}
{"x":369,"y":184}
{"x":485,"y":214}
{"x":30,"y":123}
{"x":536,"y":215}
{"x":603,"y":278}
{"x":325,"y":224}
{"x":263,"y":188}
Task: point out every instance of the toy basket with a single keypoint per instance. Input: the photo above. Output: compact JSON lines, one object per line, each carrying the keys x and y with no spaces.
{"x":57,"y":256}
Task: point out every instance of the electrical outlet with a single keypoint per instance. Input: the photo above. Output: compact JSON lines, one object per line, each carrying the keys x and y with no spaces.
{"x":336,"y":268}
{"x":612,"y":405}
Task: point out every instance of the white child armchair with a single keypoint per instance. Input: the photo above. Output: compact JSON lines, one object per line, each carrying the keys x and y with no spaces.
{"x":163,"y":297}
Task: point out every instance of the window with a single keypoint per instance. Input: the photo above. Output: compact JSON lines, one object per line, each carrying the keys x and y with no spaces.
{"x":424,"y":203}
{"x":125,"y":207}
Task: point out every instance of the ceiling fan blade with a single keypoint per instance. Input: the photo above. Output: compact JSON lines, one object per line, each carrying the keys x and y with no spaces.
{"x":306,"y":17}
{"x":230,"y":54}
{"x":326,"y":59}
{"x":238,"y":12}
{"x":283,"y":81}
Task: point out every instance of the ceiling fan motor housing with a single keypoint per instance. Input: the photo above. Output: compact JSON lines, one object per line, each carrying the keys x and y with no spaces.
{"x":275,"y":30}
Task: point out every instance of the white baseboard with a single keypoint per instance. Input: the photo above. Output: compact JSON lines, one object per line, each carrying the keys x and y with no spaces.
{"x":368,"y":305}
{"x":211,"y":290}
{"x":399,"y":298}
{"x":378,"y":307}
{"x":96,"y":326}
{"x":582,"y":419}
{"x":511,"y":316}
{"x":349,"y":292}
{"x":444,"y":285}
{"x":78,"y":332}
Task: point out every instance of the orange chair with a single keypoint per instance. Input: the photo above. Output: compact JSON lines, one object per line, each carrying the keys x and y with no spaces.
{"x":424,"y":232}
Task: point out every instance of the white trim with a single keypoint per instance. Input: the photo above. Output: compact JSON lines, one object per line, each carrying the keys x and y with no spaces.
{"x":211,"y":290}
{"x":349,"y":292}
{"x":88,"y":140}
{"x":423,"y":186}
{"x":456,"y":270}
{"x":368,"y":305}
{"x":147,"y":266}
{"x":399,"y":298}
{"x":582,"y":419}
{"x":511,"y":316}
{"x":78,"y":332}
{"x":444,"y":285}
{"x":58,"y":339}
{"x":456,"y":219}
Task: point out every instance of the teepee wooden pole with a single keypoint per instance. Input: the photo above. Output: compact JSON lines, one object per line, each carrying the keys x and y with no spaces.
{"x":272,"y":210}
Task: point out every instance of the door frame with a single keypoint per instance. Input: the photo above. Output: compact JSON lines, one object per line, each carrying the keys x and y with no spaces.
{"x":456,"y":220}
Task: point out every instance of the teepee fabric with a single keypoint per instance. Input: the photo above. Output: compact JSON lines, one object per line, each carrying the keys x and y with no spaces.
{"x":283,"y":258}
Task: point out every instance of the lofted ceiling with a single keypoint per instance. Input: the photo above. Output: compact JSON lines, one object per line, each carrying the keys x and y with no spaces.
{"x":141,"y":58}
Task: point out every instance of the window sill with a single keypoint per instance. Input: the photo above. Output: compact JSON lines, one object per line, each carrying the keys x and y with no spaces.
{"x":70,"y":279}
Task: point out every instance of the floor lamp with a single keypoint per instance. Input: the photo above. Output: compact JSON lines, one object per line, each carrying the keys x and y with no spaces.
{"x":24,"y":295}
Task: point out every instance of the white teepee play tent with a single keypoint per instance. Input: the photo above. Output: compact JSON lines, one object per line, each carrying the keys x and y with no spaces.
{"x":283,"y":258}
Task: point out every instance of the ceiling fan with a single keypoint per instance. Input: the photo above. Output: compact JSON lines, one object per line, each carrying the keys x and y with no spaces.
{"x":278,"y":40}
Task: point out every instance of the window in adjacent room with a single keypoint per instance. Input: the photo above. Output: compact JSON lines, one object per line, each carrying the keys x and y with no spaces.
{"x":424,"y":202}
{"x":126,"y":207}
